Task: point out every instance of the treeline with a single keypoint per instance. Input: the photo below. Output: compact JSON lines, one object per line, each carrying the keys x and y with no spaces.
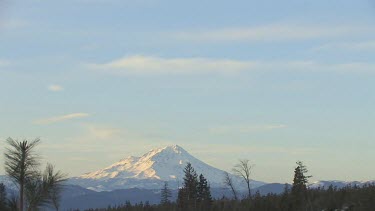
{"x":331,"y":199}
{"x":194,"y":195}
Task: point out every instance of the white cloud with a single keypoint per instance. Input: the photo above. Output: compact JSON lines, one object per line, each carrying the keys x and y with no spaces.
{"x":61,"y":118}
{"x":55,"y":88}
{"x":156,"y":65}
{"x":273,"y":32}
{"x":147,"y":65}
{"x":246,"y":128}
{"x":352,"y":46}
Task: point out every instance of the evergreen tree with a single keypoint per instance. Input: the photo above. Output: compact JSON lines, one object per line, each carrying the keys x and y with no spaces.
{"x":20,"y":164}
{"x":147,"y":205}
{"x":285,"y":201}
{"x":187,"y":197}
{"x":181,"y":198}
{"x":128,"y":205}
{"x":165,"y":194}
{"x":36,"y":188}
{"x":299,"y":188}
{"x":204,"y":192}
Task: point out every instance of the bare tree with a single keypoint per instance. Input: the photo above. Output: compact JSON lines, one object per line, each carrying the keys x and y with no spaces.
{"x":21,"y":163}
{"x":229,"y":182}
{"x":243,"y":169}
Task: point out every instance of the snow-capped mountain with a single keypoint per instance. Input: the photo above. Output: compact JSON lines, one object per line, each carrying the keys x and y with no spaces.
{"x":339,"y":184}
{"x":151,"y":170}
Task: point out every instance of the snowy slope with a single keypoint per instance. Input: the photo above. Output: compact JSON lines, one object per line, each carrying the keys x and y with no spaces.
{"x":9,"y":184}
{"x":150,"y":171}
{"x":339,"y":184}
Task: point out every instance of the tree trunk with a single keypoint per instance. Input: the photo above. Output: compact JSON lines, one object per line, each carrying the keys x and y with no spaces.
{"x":248,"y":187}
{"x":21,"y":196}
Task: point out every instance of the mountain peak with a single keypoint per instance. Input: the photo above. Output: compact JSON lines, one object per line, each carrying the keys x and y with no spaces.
{"x":175,"y":148}
{"x":150,"y":170}
{"x":165,"y":151}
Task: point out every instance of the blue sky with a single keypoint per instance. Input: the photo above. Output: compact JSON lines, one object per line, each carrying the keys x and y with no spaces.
{"x":270,"y":81}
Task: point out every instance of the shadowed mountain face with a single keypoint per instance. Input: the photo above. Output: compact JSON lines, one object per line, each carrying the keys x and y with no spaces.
{"x":151,"y":170}
{"x":75,"y":197}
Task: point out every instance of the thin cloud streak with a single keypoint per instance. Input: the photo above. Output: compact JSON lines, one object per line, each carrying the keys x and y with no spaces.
{"x":148,"y":65}
{"x":230,"y":149}
{"x":55,"y":88}
{"x":245,"y":128}
{"x":270,"y":33}
{"x":140,"y":65}
{"x":356,"y":46}
{"x":61,"y":118}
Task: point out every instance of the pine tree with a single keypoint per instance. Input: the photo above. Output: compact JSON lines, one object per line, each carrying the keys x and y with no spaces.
{"x":165,"y":194}
{"x":204,"y":193}
{"x":299,"y":188}
{"x":20,"y":164}
{"x":285,"y":201}
{"x":187,"y":195}
{"x":181,"y":199}
{"x":128,"y":205}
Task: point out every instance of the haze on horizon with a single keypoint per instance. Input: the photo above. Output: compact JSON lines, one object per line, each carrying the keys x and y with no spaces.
{"x":272,"y":81}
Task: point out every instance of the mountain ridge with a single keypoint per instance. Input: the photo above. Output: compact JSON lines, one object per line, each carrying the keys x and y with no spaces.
{"x":150,"y":170}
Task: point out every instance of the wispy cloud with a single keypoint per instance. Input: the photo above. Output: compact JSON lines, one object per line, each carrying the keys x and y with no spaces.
{"x":157,"y":65}
{"x":312,"y":66}
{"x":272,"y":32}
{"x":61,"y":118}
{"x":98,"y":132}
{"x":55,"y":88}
{"x":148,"y":65}
{"x":245,"y":128}
{"x":233,"y":149}
{"x":352,"y":46}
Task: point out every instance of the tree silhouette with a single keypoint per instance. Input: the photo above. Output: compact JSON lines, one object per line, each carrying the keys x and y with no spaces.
{"x":299,"y":188}
{"x":35,"y":188}
{"x":45,"y":189}
{"x":189,"y":192}
{"x":204,"y":193}
{"x":228,"y":181}
{"x":165,"y":194}
{"x":243,"y":169}
{"x":21,"y":163}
